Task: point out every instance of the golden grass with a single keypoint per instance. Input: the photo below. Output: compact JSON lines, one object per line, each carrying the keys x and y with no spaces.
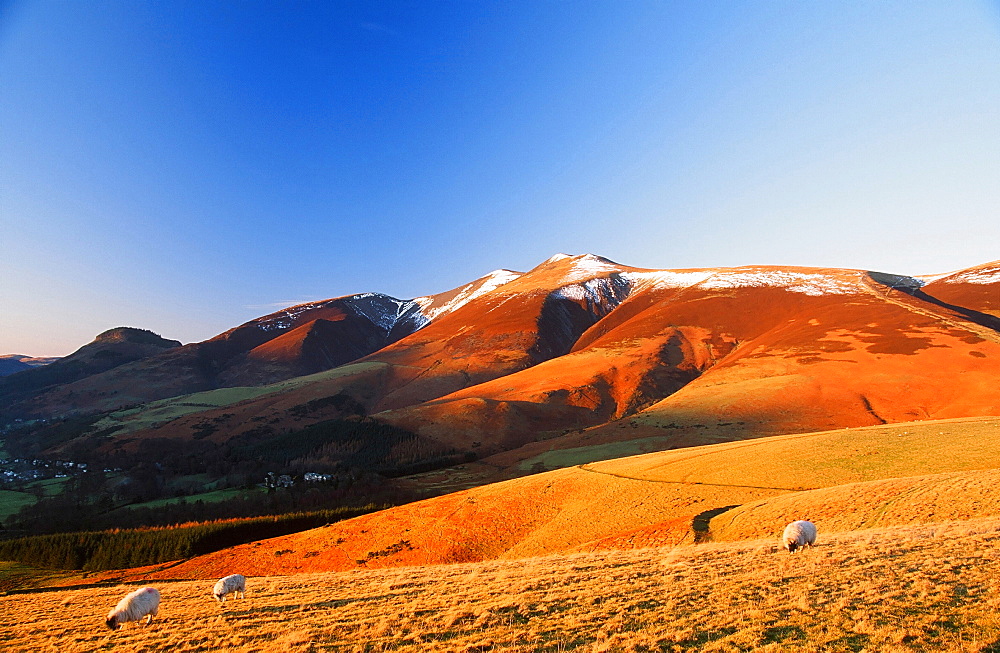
{"x":917,"y":588}
{"x":826,"y":458}
{"x":537,"y":515}
{"x":872,"y":504}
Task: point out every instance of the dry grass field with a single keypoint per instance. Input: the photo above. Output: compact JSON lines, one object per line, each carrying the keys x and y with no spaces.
{"x":917,"y":588}
{"x":656,"y":499}
{"x":872,"y":504}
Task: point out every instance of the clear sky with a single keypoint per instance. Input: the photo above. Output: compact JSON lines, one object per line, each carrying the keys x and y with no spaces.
{"x":187,"y":166}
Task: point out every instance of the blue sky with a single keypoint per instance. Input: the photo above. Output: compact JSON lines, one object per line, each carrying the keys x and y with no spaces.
{"x":187,"y":166}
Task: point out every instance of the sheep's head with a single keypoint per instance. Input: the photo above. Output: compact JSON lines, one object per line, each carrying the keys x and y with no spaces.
{"x":112,"y":622}
{"x":218,"y":597}
{"x":791,"y":546}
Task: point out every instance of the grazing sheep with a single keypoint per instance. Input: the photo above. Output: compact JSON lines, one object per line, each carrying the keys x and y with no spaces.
{"x":233,"y":584}
{"x":141,"y":603}
{"x":799,"y":534}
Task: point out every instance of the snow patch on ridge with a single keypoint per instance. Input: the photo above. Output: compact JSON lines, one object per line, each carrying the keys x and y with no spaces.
{"x":807,"y":283}
{"x":588,"y":266}
{"x":602,"y":294}
{"x":478,"y":288}
{"x":980,"y":276}
{"x":381,"y":310}
{"x":284,"y":319}
{"x":666,"y":278}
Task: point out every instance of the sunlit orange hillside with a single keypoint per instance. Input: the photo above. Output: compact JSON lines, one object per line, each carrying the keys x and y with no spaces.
{"x":581,"y":352}
{"x":659,"y":499}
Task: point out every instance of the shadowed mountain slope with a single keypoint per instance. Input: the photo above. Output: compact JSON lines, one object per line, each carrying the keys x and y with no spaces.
{"x":288,"y":343}
{"x":109,"y":350}
{"x":976,"y":288}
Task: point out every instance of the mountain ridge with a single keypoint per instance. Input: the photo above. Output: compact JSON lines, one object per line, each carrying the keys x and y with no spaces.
{"x":578,"y":353}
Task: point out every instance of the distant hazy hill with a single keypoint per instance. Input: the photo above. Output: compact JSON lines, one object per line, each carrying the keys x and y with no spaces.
{"x":13,"y":363}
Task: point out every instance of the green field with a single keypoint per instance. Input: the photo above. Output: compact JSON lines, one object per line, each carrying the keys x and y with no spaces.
{"x":11,"y":501}
{"x":559,"y":458}
{"x":213,"y":496}
{"x":162,"y":411}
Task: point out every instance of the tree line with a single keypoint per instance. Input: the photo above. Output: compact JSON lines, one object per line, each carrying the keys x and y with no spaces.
{"x":122,"y":549}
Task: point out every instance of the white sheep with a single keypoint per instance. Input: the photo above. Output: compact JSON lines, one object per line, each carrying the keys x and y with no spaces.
{"x":232,"y":584}
{"x":799,"y":534}
{"x":141,"y":603}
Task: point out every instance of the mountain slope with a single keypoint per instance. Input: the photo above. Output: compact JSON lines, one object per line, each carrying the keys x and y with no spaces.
{"x":310,"y":337}
{"x":12,"y":365}
{"x":576,"y":355}
{"x":976,"y":288}
{"x":109,"y":350}
{"x":710,"y":355}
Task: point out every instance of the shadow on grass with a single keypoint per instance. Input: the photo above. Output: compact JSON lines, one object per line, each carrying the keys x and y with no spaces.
{"x":703,"y":637}
{"x":779,"y":634}
{"x":700,"y":523}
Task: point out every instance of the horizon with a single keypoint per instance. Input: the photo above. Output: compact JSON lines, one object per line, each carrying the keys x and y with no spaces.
{"x":180,"y":168}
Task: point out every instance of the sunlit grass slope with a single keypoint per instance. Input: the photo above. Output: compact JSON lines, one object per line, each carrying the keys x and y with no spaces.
{"x":657,"y":499}
{"x":916,"y":588}
{"x":853,"y":506}
{"x":827,"y":458}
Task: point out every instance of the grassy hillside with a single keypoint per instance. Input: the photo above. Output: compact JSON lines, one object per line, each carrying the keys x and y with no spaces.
{"x":917,"y":588}
{"x":656,"y":499}
{"x":912,"y":500}
{"x":827,"y":458}
{"x":11,"y":501}
{"x":157,"y":413}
